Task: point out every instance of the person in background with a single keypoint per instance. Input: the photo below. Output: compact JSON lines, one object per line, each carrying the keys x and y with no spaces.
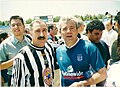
{"x":114,"y":53}
{"x":94,"y":31}
{"x":52,"y":37}
{"x":10,"y":46}
{"x":3,"y":36}
{"x":35,"y":62}
{"x":113,"y":75}
{"x":4,"y":76}
{"x":27,"y":33}
{"x":52,"y":29}
{"x":115,"y":27}
{"x":109,"y":35}
{"x":81,"y":27}
{"x":80,"y":61}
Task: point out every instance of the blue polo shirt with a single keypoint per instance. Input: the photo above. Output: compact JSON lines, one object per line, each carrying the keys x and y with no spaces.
{"x":77,"y":62}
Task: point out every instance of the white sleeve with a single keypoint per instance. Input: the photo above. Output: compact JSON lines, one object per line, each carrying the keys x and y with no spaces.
{"x":18,"y":71}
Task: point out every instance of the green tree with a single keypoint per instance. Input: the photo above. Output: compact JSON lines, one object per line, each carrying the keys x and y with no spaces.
{"x":100,"y":16}
{"x":3,"y":23}
{"x":77,"y":16}
{"x":82,"y":18}
{"x":95,"y":17}
{"x":0,"y":23}
{"x":90,"y":17}
{"x":87,"y":17}
{"x":6,"y":23}
{"x":28,"y":21}
{"x":56,"y":19}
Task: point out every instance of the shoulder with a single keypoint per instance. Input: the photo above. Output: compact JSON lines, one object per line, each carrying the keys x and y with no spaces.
{"x":87,"y":44}
{"x":61,"y":47}
{"x":7,"y":41}
{"x":103,"y":43}
{"x":115,"y":42}
{"x":28,"y":36}
{"x":49,"y":37}
{"x":24,"y":49}
{"x":22,"y":52}
{"x":49,"y":45}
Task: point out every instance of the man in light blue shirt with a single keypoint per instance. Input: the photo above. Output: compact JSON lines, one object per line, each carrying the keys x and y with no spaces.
{"x":11,"y":46}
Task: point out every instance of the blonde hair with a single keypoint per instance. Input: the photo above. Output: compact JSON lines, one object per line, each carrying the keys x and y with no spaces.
{"x":66,"y":19}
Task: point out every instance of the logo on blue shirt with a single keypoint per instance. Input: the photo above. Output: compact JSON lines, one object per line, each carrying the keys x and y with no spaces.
{"x":79,"y":57}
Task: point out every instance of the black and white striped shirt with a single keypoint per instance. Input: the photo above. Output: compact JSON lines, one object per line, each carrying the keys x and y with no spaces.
{"x":28,"y":66}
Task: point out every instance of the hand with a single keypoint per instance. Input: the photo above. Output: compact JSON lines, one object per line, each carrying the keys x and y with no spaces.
{"x":2,"y":80}
{"x":77,"y":84}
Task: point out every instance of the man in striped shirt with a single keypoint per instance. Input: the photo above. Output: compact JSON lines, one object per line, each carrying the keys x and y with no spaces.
{"x":34,"y":64}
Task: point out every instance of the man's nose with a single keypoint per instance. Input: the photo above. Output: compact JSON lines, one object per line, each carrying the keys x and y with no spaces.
{"x":16,"y":26}
{"x":41,"y":33}
{"x":100,"y":35}
{"x":68,"y":30}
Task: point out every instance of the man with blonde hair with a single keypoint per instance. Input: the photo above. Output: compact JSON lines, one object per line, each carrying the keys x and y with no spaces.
{"x":80,"y":61}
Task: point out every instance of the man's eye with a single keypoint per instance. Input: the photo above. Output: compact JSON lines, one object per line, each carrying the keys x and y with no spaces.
{"x":71,"y":28}
{"x":18,"y":24}
{"x":96,"y":33}
{"x":37,"y":31}
{"x":44,"y":30}
{"x":13,"y":25}
{"x":64,"y":29}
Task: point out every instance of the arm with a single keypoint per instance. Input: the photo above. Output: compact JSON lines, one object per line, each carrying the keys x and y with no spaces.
{"x":6,"y":64}
{"x":96,"y":78}
{"x":18,"y":72}
{"x":57,"y":78}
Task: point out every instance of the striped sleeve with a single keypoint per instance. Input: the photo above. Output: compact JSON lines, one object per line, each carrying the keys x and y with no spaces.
{"x":53,"y":51}
{"x":18,"y":72}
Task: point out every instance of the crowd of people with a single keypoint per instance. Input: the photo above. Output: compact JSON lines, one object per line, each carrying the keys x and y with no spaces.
{"x":39,"y":57}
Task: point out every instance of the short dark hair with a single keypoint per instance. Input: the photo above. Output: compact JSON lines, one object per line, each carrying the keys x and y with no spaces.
{"x":117,"y":17}
{"x":17,"y":17}
{"x":50,"y":27}
{"x":95,"y":24}
{"x":3,"y":35}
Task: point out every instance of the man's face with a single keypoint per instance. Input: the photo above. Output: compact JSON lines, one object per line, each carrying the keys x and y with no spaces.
{"x":17,"y":27}
{"x":118,"y":26}
{"x":55,"y":30}
{"x":39,"y":34}
{"x":108,"y":26}
{"x":95,"y":35}
{"x":69,"y":32}
{"x":81,"y":28}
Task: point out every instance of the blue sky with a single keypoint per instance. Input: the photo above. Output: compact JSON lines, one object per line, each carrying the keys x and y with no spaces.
{"x":30,"y":8}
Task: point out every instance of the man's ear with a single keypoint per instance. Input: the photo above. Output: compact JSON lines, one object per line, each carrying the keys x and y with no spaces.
{"x":89,"y":33}
{"x":2,"y":39}
{"x":60,"y":31}
{"x":24,"y":26}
